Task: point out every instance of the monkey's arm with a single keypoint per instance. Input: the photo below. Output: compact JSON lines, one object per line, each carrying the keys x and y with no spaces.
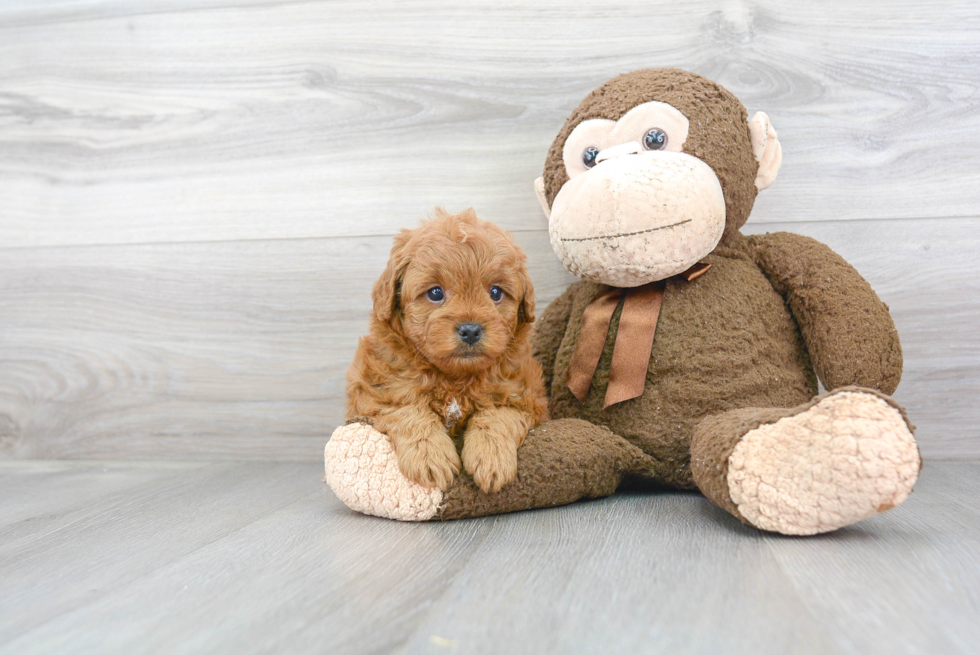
{"x":847,"y":329}
{"x":549,"y":330}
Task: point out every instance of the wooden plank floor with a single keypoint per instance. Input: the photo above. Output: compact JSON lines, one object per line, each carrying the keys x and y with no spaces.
{"x":130,"y":557}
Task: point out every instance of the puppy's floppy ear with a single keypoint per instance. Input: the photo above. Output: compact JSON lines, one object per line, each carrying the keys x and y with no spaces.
{"x":525,"y":310}
{"x":385,"y":292}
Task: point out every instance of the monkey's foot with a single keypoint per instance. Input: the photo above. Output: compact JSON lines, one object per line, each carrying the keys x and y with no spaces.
{"x":560,"y":462}
{"x":838,"y":461}
{"x":361,"y":467}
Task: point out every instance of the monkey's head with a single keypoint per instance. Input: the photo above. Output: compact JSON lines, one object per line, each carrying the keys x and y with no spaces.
{"x":650,"y":172}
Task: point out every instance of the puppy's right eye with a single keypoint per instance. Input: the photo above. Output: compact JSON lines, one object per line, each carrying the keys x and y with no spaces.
{"x":435,"y":294}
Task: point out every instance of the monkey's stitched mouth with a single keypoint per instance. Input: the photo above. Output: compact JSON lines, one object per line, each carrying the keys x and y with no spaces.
{"x":630,"y":234}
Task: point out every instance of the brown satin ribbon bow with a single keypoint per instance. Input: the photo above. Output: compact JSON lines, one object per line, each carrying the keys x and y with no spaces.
{"x":634,"y":340}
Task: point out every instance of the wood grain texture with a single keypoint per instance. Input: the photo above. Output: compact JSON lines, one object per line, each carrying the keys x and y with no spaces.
{"x":124,"y":534}
{"x":928,"y":556}
{"x":30,"y":493}
{"x":633,"y":573}
{"x":195,"y":197}
{"x":235,"y":351}
{"x":179,"y":121}
{"x":239,"y":350}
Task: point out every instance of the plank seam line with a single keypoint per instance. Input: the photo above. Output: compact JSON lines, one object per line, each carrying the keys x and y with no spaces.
{"x":329,"y":237}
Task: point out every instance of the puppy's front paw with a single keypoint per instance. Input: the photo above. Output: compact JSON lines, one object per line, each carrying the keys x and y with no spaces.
{"x":490,"y":458}
{"x":431,"y":462}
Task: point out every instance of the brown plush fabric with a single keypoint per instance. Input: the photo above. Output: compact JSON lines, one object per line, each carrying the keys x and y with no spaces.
{"x":725,"y":340}
{"x":549,"y":330}
{"x":559,"y":463}
{"x":850,"y":334}
{"x":716,"y":437}
{"x":718,"y":134}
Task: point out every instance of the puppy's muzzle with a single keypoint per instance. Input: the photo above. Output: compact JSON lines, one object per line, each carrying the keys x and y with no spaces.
{"x":470,"y":333}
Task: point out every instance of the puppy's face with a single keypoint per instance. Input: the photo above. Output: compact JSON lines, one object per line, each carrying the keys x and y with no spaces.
{"x":457,"y":289}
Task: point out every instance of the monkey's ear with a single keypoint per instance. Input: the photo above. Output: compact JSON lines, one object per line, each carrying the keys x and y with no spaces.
{"x":766,"y":148}
{"x":385,"y":291}
{"x":542,"y":198}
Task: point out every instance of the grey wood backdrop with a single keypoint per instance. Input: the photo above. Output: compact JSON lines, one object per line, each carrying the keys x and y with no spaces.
{"x":195,"y":197}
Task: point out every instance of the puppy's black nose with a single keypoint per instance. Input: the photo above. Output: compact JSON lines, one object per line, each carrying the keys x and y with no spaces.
{"x":470,"y":332}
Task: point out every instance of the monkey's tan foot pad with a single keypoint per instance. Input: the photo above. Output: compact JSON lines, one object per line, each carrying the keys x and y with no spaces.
{"x":362,"y":469}
{"x":560,"y":462}
{"x":841,"y":460}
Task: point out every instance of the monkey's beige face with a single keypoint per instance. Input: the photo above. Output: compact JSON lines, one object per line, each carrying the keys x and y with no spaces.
{"x":635,"y":208}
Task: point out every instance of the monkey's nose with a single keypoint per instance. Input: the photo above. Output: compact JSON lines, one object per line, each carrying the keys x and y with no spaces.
{"x":631,"y":148}
{"x":470,"y":332}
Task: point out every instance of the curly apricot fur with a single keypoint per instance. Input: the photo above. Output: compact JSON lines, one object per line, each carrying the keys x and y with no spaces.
{"x":420,"y":384}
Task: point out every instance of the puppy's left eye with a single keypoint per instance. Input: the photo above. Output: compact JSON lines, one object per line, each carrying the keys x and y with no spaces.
{"x":496,"y":293}
{"x":435,"y":294}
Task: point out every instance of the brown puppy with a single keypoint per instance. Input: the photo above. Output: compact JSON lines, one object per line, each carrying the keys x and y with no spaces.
{"x":449,"y":355}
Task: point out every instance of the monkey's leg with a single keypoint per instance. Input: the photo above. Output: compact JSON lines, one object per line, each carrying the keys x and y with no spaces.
{"x":560,"y":462}
{"x":828,"y":463}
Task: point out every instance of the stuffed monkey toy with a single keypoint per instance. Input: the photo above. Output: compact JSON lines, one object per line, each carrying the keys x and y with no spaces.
{"x":688,"y":355}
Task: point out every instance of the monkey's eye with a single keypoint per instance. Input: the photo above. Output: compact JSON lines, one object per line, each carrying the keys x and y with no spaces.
{"x":655,"y":139}
{"x":435,"y":294}
{"x":588,"y":157}
{"x":496,"y":293}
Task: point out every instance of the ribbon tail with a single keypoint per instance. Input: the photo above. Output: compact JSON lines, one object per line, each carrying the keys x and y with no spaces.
{"x":634,"y":343}
{"x":591,"y":340}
